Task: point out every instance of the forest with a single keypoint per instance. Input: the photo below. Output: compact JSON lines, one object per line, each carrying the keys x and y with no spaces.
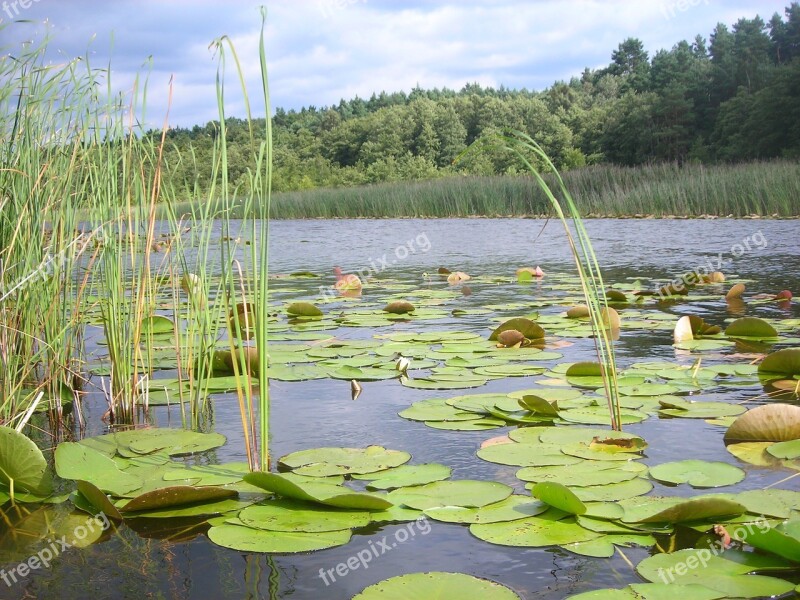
{"x":733,"y":97}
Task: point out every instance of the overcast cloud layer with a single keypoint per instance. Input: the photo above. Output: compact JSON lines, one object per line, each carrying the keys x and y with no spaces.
{"x":320,"y":51}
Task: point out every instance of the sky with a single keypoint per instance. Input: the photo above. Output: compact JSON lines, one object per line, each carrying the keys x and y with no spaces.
{"x":320,"y":51}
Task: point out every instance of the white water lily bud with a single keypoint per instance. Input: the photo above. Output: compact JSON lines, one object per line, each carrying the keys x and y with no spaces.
{"x":402,"y":364}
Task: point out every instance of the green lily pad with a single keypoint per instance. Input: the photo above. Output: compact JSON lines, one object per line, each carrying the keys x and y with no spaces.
{"x":173,"y":441}
{"x":578,"y":475}
{"x":303,"y":309}
{"x":22,"y":464}
{"x":751,"y":327}
{"x":786,"y":450}
{"x":435,"y":409}
{"x":526,"y":327}
{"x":511,"y":509}
{"x":697,"y":473}
{"x":784,"y":362}
{"x":679,"y":510}
{"x":247,"y":539}
{"x":321,"y":462}
{"x":526,"y":455}
{"x":783,"y":539}
{"x":436,"y":586}
{"x":405,"y":476}
{"x":701,"y":566}
{"x":176,"y":496}
{"x":292,"y":515}
{"x":98,"y":500}
{"x":559,"y":496}
{"x":463,"y":493}
{"x":80,"y":462}
{"x":533,"y":532}
{"x":320,"y":493}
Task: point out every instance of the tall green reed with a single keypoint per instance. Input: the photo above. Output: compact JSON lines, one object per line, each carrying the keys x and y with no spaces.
{"x":537,"y":161}
{"x":42,"y":159}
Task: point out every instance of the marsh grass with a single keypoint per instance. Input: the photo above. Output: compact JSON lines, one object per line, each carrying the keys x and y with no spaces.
{"x":566,"y":209}
{"x":89,"y":232}
{"x":761,"y":188}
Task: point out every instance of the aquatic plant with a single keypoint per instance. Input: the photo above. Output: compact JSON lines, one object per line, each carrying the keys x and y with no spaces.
{"x":594,"y":290}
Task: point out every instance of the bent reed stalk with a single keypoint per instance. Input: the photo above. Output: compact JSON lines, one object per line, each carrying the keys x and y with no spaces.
{"x":530,"y":154}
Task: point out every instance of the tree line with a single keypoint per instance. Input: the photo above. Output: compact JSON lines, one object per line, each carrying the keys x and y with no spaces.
{"x":732,"y":97}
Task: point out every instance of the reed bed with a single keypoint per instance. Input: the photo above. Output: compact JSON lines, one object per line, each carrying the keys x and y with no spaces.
{"x":758,"y":188}
{"x":90,"y":236}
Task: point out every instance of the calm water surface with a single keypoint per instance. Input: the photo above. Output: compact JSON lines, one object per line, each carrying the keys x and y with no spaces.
{"x":321,"y":413}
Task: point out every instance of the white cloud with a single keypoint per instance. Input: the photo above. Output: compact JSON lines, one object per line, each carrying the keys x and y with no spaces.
{"x":319,"y":53}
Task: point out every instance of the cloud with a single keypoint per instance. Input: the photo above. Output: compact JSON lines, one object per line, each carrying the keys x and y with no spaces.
{"x":320,"y":51}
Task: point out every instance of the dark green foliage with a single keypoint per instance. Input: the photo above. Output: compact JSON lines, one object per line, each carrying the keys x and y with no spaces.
{"x":733,"y":98}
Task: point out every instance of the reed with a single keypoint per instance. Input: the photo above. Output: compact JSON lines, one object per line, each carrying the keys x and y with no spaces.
{"x":761,"y":188}
{"x":536,"y":161}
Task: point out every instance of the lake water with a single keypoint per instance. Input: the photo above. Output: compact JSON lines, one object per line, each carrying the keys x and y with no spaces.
{"x":321,"y":413}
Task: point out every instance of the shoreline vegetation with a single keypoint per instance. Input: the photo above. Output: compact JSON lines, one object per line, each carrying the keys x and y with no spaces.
{"x":769,"y":189}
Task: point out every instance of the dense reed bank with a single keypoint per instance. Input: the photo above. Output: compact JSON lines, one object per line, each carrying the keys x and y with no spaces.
{"x":668,"y":189}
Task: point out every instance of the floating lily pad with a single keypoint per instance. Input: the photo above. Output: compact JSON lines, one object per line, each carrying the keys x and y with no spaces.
{"x":783,"y":539}
{"x":751,"y":327}
{"x":98,"y":500}
{"x":22,"y":464}
{"x":783,"y":362}
{"x":176,"y":496}
{"x":789,"y":450}
{"x":321,"y":462}
{"x":436,"y":586}
{"x":730,"y":577}
{"x":511,"y":509}
{"x":533,"y":532}
{"x":558,"y":496}
{"x":680,"y":510}
{"x":767,"y":423}
{"x":406,"y":475}
{"x":247,"y":539}
{"x":526,"y":455}
{"x":463,"y":493}
{"x":292,"y":515}
{"x":80,"y":462}
{"x":321,"y":493}
{"x":303,"y":309}
{"x":697,"y":473}
{"x":526,"y":327}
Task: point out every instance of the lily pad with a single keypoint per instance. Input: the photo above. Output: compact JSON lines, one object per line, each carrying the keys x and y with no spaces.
{"x":511,"y":509}
{"x":80,"y":462}
{"x":320,"y":493}
{"x":783,"y":362}
{"x":697,"y":473}
{"x":436,"y":586}
{"x":405,"y":476}
{"x":292,"y":515}
{"x":176,"y":496}
{"x":321,"y":462}
{"x":247,"y":539}
{"x":533,"y":532}
{"x":22,"y":464}
{"x":751,"y":327}
{"x":463,"y":493}
{"x":767,"y":423}
{"x":526,"y":327}
{"x":559,"y":496}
